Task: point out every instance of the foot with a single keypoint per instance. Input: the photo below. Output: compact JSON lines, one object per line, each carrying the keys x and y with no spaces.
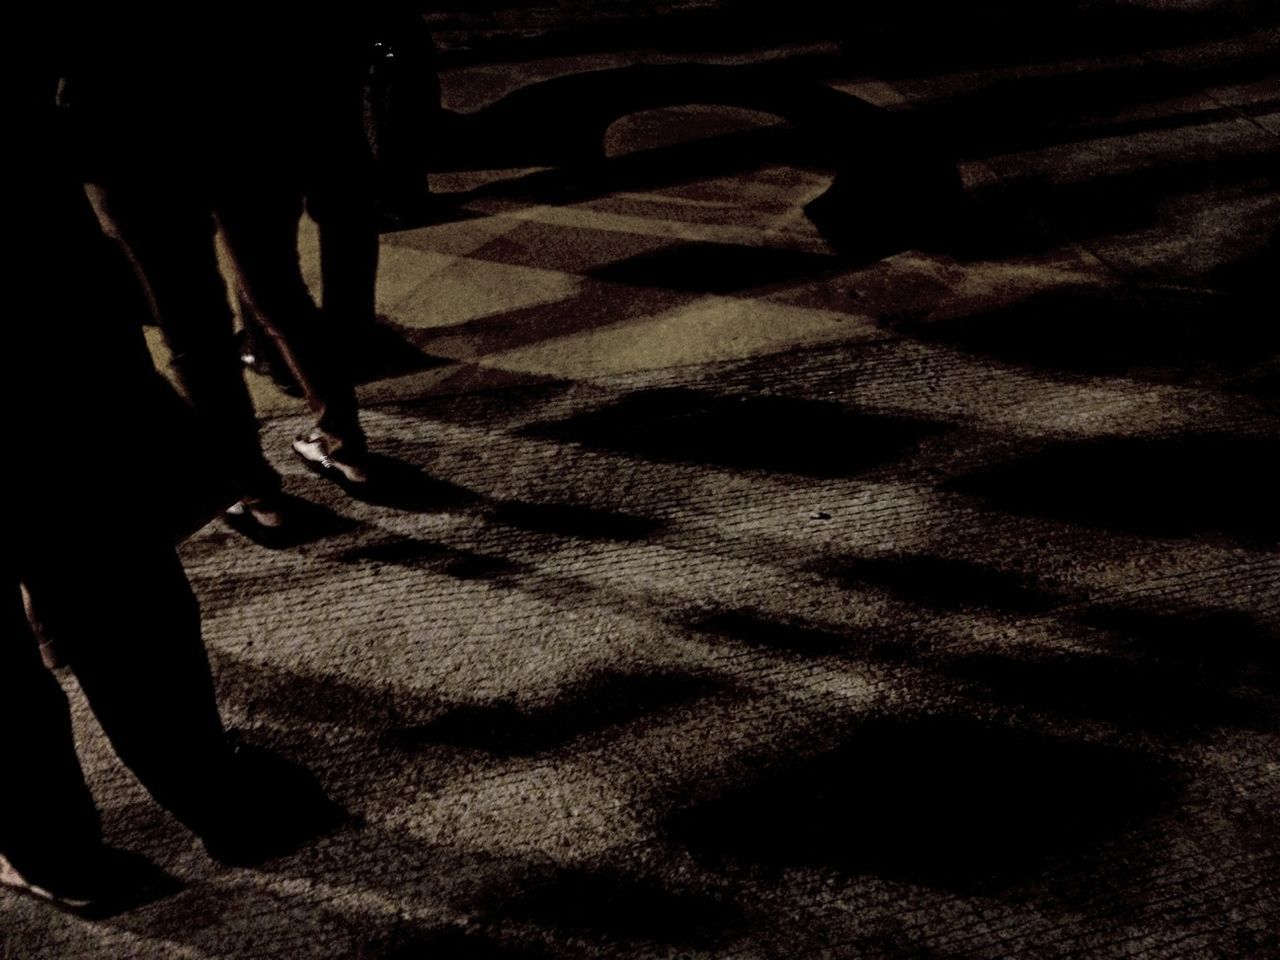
{"x":343,"y":468}
{"x":95,"y":882}
{"x":72,"y":886}
{"x":264,"y":511}
{"x":260,"y":518}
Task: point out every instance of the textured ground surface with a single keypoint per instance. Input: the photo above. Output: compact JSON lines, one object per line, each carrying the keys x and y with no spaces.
{"x":749,"y":604}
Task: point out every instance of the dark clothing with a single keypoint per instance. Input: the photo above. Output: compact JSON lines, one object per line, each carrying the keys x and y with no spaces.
{"x":191,"y":119}
{"x":183,"y":91}
{"x":261,"y":231}
{"x":170,"y":240}
{"x":85,"y":535}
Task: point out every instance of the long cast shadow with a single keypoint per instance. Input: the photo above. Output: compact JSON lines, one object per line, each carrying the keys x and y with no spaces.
{"x":574,"y":520}
{"x":435,"y":557}
{"x":447,"y":943}
{"x":1078,"y":105}
{"x":932,"y":35}
{"x":592,"y":307}
{"x":756,"y":630}
{"x":1116,"y":202}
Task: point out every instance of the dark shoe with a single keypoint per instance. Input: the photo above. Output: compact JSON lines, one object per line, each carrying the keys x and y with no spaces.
{"x":272,"y":807}
{"x":345,"y":469}
{"x":93,"y":883}
{"x":72,"y":886}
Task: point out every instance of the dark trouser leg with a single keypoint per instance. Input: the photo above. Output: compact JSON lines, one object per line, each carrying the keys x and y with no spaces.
{"x":128,"y":626}
{"x":46,"y":811}
{"x":340,"y":198}
{"x":261,"y":230}
{"x":169,"y":240}
{"x":348,"y":272}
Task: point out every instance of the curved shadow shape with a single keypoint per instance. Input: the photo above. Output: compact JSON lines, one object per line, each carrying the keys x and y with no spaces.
{"x":945,"y":801}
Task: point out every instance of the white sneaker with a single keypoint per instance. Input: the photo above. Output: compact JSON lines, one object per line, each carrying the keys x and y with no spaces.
{"x":315,"y":453}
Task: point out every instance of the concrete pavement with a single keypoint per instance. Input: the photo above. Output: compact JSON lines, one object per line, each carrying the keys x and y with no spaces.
{"x":753,"y":604}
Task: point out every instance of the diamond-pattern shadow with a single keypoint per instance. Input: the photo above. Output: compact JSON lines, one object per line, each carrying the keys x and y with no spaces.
{"x":510,"y":729}
{"x":715,"y":268}
{"x":1177,"y":486}
{"x":945,"y":583}
{"x":609,"y":905}
{"x":947,"y":801}
{"x":1159,"y":335}
{"x":1145,"y":696}
{"x":811,"y":438}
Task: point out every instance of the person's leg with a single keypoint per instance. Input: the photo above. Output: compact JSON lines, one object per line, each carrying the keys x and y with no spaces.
{"x":49,"y":827}
{"x":169,"y":238}
{"x":348,"y":270}
{"x":128,"y":626}
{"x":260,"y":227}
{"x":258,"y":351}
{"x":340,"y":196}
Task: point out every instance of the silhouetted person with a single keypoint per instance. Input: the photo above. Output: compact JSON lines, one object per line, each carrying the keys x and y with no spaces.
{"x":195,"y":120}
{"x":381,"y":121}
{"x":94,"y":550}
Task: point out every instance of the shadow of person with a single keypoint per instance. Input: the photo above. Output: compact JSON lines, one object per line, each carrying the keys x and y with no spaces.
{"x":403,"y":486}
{"x":304,"y":522}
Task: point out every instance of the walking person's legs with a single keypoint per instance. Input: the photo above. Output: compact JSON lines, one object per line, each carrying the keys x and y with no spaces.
{"x":169,"y":239}
{"x":260,"y":228}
